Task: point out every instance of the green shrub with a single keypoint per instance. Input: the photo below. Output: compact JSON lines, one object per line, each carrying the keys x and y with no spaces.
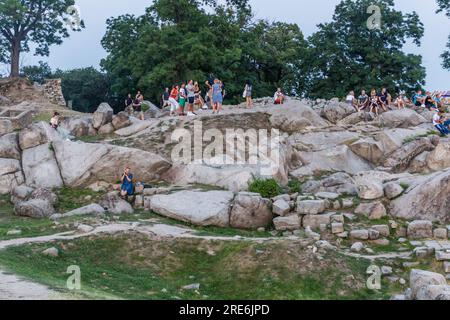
{"x":266,"y":188}
{"x":295,"y":186}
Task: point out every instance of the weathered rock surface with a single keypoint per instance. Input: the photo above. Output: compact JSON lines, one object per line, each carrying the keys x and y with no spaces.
{"x":115,"y":205}
{"x":426,"y":199}
{"x":420,"y":280}
{"x":103,"y":115}
{"x":288,"y":223}
{"x":420,"y":229}
{"x":34,"y":208}
{"x":403,"y":118}
{"x":9,"y":146}
{"x":210,"y":208}
{"x":439,"y":158}
{"x":121,"y":120}
{"x":250,"y":211}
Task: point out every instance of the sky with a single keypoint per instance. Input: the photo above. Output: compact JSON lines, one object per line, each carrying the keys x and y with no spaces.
{"x":83,"y":49}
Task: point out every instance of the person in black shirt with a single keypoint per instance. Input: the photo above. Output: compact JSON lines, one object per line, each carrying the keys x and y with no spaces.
{"x":128,"y":101}
{"x":165,"y":98}
{"x":430,"y":103}
{"x":383,"y":99}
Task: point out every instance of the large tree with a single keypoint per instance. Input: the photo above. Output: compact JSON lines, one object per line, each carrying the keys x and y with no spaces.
{"x":42,"y":22}
{"x":347,"y":55}
{"x":177,"y":40}
{"x":444,"y":6}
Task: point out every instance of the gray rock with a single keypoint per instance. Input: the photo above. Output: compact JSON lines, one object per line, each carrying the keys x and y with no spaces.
{"x":288,"y":223}
{"x":250,"y":211}
{"x":315,"y":221}
{"x":420,"y":229}
{"x":442,"y":256}
{"x":34,"y":208}
{"x":327,"y":195}
{"x":281,"y":207}
{"x":357,"y":247}
{"x":392,"y":190}
{"x":359,"y":234}
{"x":103,"y":115}
{"x":373,"y":211}
{"x":383,"y":230}
{"x":420,"y":279}
{"x":9,"y":146}
{"x":370,"y":189}
{"x":311,"y":207}
{"x":440,"y":233}
{"x":121,"y":120}
{"x":51,"y":252}
{"x":92,"y":209}
{"x":337,"y":228}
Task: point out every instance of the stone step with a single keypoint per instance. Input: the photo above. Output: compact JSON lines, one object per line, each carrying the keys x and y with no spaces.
{"x":442,"y":256}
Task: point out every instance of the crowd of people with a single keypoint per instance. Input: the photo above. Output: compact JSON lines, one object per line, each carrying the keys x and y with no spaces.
{"x":383,"y":101}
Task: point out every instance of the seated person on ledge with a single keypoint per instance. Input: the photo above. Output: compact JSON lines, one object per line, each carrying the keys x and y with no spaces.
{"x":54,"y":121}
{"x":279,"y":97}
{"x":127,"y":188}
{"x":440,"y":123}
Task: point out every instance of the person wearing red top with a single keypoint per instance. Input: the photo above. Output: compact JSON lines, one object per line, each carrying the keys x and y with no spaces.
{"x":173,"y":100}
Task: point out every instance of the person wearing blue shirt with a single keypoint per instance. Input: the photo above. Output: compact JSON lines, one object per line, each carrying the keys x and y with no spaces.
{"x":127,"y":188}
{"x":419,"y":99}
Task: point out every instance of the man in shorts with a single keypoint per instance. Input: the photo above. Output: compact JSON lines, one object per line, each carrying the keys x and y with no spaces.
{"x":190,"y":98}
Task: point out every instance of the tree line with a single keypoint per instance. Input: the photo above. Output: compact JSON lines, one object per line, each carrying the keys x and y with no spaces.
{"x":177,"y":40}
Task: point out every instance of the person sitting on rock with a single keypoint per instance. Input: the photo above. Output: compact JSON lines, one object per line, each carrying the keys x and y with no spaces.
{"x":363,"y":101}
{"x":430,"y":102}
{"x":373,"y":102}
{"x":351,"y":100}
{"x":127,"y":188}
{"x":54,"y":121}
{"x":384,"y":99}
{"x":279,"y":97}
{"x":440,"y":123}
{"x":400,"y":102}
{"x":419,"y":99}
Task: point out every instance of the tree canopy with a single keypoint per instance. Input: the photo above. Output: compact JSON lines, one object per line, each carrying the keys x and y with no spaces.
{"x":43,"y":22}
{"x":444,"y":6}
{"x":346,"y":55}
{"x":177,"y":40}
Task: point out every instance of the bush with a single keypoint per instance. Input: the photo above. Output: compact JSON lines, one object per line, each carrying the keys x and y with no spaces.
{"x":295,"y":186}
{"x":266,"y":188}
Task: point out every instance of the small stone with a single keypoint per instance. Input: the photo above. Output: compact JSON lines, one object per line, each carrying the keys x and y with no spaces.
{"x":336,"y":205}
{"x":84,"y":228}
{"x":401,"y":232}
{"x":402,"y":240}
{"x":287,"y":223}
{"x":338,"y":218}
{"x":347,"y":203}
{"x":373,"y":211}
{"x":369,"y":251}
{"x":194,"y":286}
{"x":337,"y":228}
{"x":423,"y":252}
{"x":311,"y":207}
{"x":442,"y":256}
{"x":383,"y":230}
{"x":88,"y":198}
{"x":327,"y":195}
{"x":420,"y":229}
{"x":349,"y":216}
{"x":261,"y":229}
{"x":323,"y":227}
{"x":447,"y":266}
{"x":359,"y":234}
{"x":51,"y":252}
{"x":357,"y":247}
{"x":281,"y":207}
{"x":386,"y":270}
{"x":343,"y":235}
{"x":399,"y":297}
{"x":373,"y":234}
{"x":440,"y":233}
{"x":14,"y":232}
{"x":381,"y":242}
{"x":393,"y":224}
{"x":392,"y":190}
{"x":311,"y":234}
{"x":402,"y":281}
{"x":410,"y":264}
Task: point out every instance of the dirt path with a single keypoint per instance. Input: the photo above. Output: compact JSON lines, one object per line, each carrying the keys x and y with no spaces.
{"x":15,"y":288}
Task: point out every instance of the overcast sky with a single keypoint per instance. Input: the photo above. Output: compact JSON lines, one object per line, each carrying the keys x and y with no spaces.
{"x":83,"y":49}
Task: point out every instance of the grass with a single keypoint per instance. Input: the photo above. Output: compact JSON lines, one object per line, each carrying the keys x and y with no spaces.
{"x":418,"y":136}
{"x":42,"y":117}
{"x":73,"y":198}
{"x":95,"y":138}
{"x":267,"y":188}
{"x":136,"y":267}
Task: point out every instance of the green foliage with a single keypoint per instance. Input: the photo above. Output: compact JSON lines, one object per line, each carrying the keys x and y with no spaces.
{"x":345,"y":55}
{"x":187,"y":39}
{"x":444,"y":6}
{"x":73,"y":198}
{"x":267,"y":188}
{"x":37,"y":73}
{"x":85,"y":87}
{"x":295,"y":186}
{"x":41,"y":22}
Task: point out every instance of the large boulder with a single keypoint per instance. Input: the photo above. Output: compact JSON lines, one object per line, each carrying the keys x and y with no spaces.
{"x":318,"y":141}
{"x":368,"y":149}
{"x":34,"y":208}
{"x":425,"y":199}
{"x":6,"y":126}
{"x":9,"y":181}
{"x":250,"y":211}
{"x":439,"y":158}
{"x":295,"y":116}
{"x":340,"y":183}
{"x":393,"y":139}
{"x":340,"y":158}
{"x":135,"y":127}
{"x":152,"y":111}
{"x":9,"y":146}
{"x":402,"y":118}
{"x":21,"y":193}
{"x":371,"y":210}
{"x":40,"y":167}
{"x":103,"y":115}
{"x":75,"y":159}
{"x":115,"y":204}
{"x":210,"y":208}
{"x":121,"y":120}
{"x":335,"y":111}
{"x":92,"y":209}
{"x":400,"y":159}
{"x":421,"y":279}
{"x":33,"y":136}
{"x":79,"y":126}
{"x":82,"y":164}
{"x":369,"y":189}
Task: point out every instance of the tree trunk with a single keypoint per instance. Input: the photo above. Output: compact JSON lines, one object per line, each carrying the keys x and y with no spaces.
{"x":15,"y":58}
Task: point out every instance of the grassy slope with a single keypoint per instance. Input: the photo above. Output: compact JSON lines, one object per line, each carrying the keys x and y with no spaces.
{"x":136,"y":267}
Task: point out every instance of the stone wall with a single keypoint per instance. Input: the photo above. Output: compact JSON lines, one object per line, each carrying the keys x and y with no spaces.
{"x":53,"y":91}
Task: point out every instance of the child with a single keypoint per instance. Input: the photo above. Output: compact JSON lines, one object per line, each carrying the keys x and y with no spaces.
{"x":54,"y":121}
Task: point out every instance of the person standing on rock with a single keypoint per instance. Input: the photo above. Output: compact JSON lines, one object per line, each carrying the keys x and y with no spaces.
{"x":190,"y":98}
{"x":173,"y":100}
{"x":165,"y":98}
{"x":217,"y":98}
{"x":182,"y":100}
{"x":128,"y":103}
{"x":137,"y":105}
{"x":248,"y":92}
{"x":278,"y":97}
{"x":127,"y":188}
